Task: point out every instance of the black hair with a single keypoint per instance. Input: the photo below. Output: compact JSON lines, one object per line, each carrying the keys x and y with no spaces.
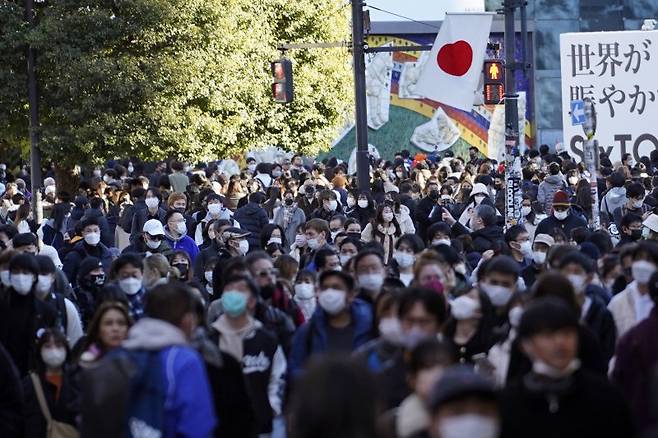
{"x":321,"y":256}
{"x":580,"y":234}
{"x":170,"y":213}
{"x":546,"y":315}
{"x":131,"y":259}
{"x":412,"y":240}
{"x":96,"y":202}
{"x":554,"y":284}
{"x":346,"y":278}
{"x":169,"y":302}
{"x":647,"y":248}
{"x":25,"y":261}
{"x":429,"y":353}
{"x":635,"y":190}
{"x":514,"y":232}
{"x":630,"y":218}
{"x":87,"y":221}
{"x":266,"y":233}
{"x":434,"y":304}
{"x":365,"y":253}
{"x":349,"y":239}
{"x":437,"y":227}
{"x":577,"y":258}
{"x":602,"y":240}
{"x":155,"y":192}
{"x":504,"y":265}
{"x":236,"y":278}
{"x":46,"y":265}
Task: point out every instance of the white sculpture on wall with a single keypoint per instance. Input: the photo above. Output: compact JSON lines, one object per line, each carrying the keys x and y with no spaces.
{"x":439,"y":134}
{"x":378,"y":88}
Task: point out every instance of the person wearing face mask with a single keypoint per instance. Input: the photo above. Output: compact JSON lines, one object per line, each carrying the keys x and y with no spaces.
{"x":540,"y":247}
{"x":178,"y":202}
{"x":68,"y":317}
{"x":90,"y":282}
{"x":406,"y":249}
{"x":364,"y":210}
{"x":49,"y":387}
{"x":499,"y":281}
{"x":153,"y":210}
{"x":90,"y":245}
{"x":253,"y":218}
{"x":128,"y":286}
{"x":370,"y":273}
{"x":383,"y":229}
{"x":305,"y":295}
{"x":562,"y":217}
{"x":289,"y":217}
{"x":329,"y":206}
{"x":176,"y":234}
{"x":485,"y":232}
{"x":246,"y":339}
{"x":518,"y":240}
{"x":558,"y":396}
{"x":97,"y":210}
{"x":478,"y":196}
{"x":579,"y":270}
{"x":215,"y":210}
{"x":498,"y":356}
{"x":316,"y":233}
{"x":342,"y":323}
{"x":551,"y":184}
{"x":22,"y":314}
{"x":152,"y":241}
{"x":306,"y":198}
{"x":631,"y":229}
{"x":5,"y":258}
{"x":470,"y":330}
{"x":635,"y":194}
{"x":615,"y":197}
{"x":463,"y":404}
{"x":634,"y":304}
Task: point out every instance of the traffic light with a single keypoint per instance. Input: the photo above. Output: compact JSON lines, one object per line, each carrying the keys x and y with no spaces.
{"x":494,"y":81}
{"x":282,"y":88}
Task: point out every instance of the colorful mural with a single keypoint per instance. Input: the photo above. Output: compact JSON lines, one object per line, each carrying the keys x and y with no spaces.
{"x":404,"y":115}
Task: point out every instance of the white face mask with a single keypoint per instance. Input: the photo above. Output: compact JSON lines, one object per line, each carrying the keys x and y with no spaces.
{"x":391,"y":330}
{"x":638,"y":204}
{"x":44,"y":283}
{"x":514,"y":316}
{"x":561,"y":215}
{"x":181,"y":228}
{"x":4,"y":278}
{"x":542,"y":368}
{"x":478,"y":199}
{"x":97,"y":173}
{"x":344,"y":258}
{"x":350,"y":202}
{"x":468,"y":425}
{"x":499,"y":295}
{"x":313,"y":243}
{"x":404,"y":259}
{"x":251,"y":167}
{"x":578,"y":282}
{"x":331,"y":205}
{"x":22,"y":283}
{"x":464,"y":307}
{"x":526,"y":211}
{"x":130,"y":285}
{"x":371,"y":281}
{"x":642,"y":271}
{"x":436,"y":242}
{"x":387,"y":217}
{"x":92,"y":238}
{"x":363,"y":203}
{"x":244,"y":247}
{"x":214,"y":209}
{"x":208,"y":276}
{"x":300,"y":240}
{"x":332,"y":301}
{"x":106,"y":179}
{"x":152,"y":244}
{"x":304,"y":291}
{"x":152,"y":202}
{"x":274,"y":240}
{"x":53,"y":357}
{"x":526,"y":248}
{"x":539,"y":257}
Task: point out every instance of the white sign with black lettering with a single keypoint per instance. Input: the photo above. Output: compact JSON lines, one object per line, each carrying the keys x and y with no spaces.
{"x":617,"y":70}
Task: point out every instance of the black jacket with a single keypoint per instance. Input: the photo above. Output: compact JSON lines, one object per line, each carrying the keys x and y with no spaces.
{"x":139,"y":247}
{"x":79,"y":252}
{"x":421,"y":216}
{"x":489,"y":237}
{"x":583,"y":405}
{"x":11,"y":398}
{"x":214,"y":251}
{"x":572,"y":221}
{"x":107,"y":233}
{"x":252,"y":218}
{"x":139,"y":219}
{"x":35,"y":422}
{"x":601,"y":323}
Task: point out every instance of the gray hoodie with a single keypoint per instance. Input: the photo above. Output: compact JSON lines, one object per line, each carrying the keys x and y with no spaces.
{"x":153,"y":334}
{"x":615,"y":198}
{"x":546,"y":190}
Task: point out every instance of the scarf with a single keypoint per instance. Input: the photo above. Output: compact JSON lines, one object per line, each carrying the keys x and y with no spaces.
{"x":386,"y":236}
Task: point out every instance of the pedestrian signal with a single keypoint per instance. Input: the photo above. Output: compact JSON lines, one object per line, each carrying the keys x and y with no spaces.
{"x":494,"y":81}
{"x":282,"y":87}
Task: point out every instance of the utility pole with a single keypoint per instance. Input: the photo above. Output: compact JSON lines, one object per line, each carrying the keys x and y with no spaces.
{"x":361,"y":106}
{"x":512,"y":155}
{"x":33,"y":98}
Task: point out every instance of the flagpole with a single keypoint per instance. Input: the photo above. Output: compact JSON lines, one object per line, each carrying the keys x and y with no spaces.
{"x":512,"y":156}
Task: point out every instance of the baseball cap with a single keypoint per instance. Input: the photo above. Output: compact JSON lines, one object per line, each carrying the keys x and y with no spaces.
{"x":153,"y":227}
{"x":545,"y":239}
{"x":561,"y":198}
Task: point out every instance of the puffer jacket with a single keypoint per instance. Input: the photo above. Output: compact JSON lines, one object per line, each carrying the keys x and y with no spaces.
{"x":615,"y":198}
{"x":546,"y":190}
{"x":252,"y":218}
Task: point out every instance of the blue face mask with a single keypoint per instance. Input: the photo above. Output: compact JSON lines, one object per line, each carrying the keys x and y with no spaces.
{"x":234,"y":303}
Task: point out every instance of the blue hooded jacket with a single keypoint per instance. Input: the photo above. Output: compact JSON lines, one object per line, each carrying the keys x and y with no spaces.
{"x":311,"y":338}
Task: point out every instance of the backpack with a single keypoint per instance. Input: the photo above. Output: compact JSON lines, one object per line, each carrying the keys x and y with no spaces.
{"x":123,"y":396}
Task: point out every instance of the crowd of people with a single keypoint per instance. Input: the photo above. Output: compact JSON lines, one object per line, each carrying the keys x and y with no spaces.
{"x":262,"y":299}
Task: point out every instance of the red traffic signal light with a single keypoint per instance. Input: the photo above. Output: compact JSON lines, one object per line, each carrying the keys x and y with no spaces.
{"x":282,"y":87}
{"x":494,"y":81}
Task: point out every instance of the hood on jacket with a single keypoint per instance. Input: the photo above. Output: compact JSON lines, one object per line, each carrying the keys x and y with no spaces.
{"x":361,"y":316}
{"x":250,"y":209}
{"x":492,"y":232}
{"x":616,"y":194}
{"x":153,"y":334}
{"x":554,"y":180}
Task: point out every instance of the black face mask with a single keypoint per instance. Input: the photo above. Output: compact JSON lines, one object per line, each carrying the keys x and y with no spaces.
{"x":266,"y":292}
{"x":181,"y":210}
{"x":289,"y":201}
{"x":636,"y":234}
{"x":434,"y":195}
{"x":182,"y":268}
{"x":93,"y":283}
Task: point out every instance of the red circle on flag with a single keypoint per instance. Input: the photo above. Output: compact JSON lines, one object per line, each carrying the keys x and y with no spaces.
{"x":456,"y":58}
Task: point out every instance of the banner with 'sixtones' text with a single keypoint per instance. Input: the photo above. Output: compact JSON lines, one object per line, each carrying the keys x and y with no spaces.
{"x":618,"y":71}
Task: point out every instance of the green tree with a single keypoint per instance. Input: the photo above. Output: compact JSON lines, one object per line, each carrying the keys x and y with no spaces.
{"x":163,"y":78}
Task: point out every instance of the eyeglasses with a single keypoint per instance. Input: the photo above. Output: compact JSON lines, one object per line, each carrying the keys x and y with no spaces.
{"x":268,"y":273}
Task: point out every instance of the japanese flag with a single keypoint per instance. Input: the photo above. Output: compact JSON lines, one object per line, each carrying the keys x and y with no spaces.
{"x":452,"y":71}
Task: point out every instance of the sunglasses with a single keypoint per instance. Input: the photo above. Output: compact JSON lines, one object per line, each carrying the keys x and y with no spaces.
{"x":157,"y":237}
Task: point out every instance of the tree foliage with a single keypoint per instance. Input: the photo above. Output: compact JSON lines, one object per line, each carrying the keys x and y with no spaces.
{"x":161,"y":78}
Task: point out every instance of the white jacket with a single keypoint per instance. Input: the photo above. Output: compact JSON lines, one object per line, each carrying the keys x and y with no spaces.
{"x":622,"y":307}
